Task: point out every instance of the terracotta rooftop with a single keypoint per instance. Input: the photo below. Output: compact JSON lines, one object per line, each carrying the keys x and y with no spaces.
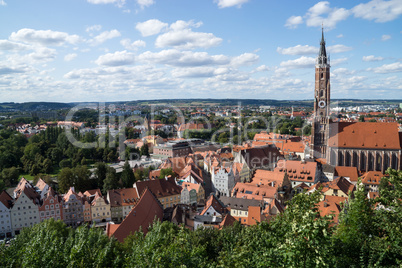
{"x":122,"y":197}
{"x":160,"y":187}
{"x":340,"y":183}
{"x":251,"y":190}
{"x":6,"y":199}
{"x":331,"y":205}
{"x":298,"y":170}
{"x":365,"y":135}
{"x":215,"y":203}
{"x":26,"y":187}
{"x":41,"y":184}
{"x":228,"y":220}
{"x":372,"y":177}
{"x":350,"y":172}
{"x":142,"y":215}
{"x":267,"y":177}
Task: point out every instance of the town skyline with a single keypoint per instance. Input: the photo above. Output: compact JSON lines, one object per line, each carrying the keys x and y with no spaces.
{"x":141,"y":50}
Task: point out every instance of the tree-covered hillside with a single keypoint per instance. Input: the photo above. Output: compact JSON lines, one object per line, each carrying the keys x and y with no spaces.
{"x":369,"y":234}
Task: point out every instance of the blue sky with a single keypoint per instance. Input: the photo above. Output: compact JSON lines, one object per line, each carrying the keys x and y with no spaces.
{"x":121,"y":50}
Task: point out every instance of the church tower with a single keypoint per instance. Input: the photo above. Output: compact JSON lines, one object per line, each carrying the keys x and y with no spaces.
{"x":320,"y":129}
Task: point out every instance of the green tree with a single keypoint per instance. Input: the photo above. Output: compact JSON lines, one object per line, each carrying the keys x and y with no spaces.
{"x":111,"y":182}
{"x":127,"y":176}
{"x":100,"y":174}
{"x":144,"y":150}
{"x":10,"y":176}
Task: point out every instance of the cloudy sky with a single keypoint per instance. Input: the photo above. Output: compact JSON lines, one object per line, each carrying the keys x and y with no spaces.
{"x":120,"y":50}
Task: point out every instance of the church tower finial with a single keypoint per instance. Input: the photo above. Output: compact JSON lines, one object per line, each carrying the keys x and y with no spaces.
{"x":322,"y":54}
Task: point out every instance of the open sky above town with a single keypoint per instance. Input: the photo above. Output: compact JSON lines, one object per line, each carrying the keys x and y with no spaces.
{"x":121,"y":50}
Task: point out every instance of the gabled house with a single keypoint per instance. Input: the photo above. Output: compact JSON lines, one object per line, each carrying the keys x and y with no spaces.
{"x":250,"y":190}
{"x":25,"y":211}
{"x":121,"y":202}
{"x":166,"y":190}
{"x":371,"y":180}
{"x":52,"y":206}
{"x":240,"y":208}
{"x":192,"y":193}
{"x":223,"y":180}
{"x":213,"y":207}
{"x":42,"y":187}
{"x":100,"y":209}
{"x":299,"y":171}
{"x":141,"y":216}
{"x":6,"y":203}
{"x":73,"y":207}
{"x":264,"y":157}
{"x":339,"y":187}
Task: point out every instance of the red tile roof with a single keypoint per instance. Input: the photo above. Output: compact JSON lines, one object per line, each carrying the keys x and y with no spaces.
{"x":6,"y":199}
{"x":372,"y":177}
{"x":122,"y":197}
{"x":340,"y":183}
{"x":159,"y":187}
{"x":298,"y":170}
{"x":212,"y":201}
{"x":365,"y":135}
{"x":350,"y":172}
{"x":142,"y":215}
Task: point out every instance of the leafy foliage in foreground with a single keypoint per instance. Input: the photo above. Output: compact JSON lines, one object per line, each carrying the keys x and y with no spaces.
{"x":369,"y":234}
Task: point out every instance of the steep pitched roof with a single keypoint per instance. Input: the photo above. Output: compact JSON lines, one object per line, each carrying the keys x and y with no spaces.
{"x":331,"y":205}
{"x":350,"y":172}
{"x":267,"y":177}
{"x":293,"y":147}
{"x":142,"y":215}
{"x":70,"y":193}
{"x":41,"y":184}
{"x":365,"y":135}
{"x":298,"y":170}
{"x":212,"y":201}
{"x":240,"y":203}
{"x":160,"y":187}
{"x":340,"y":183}
{"x":122,"y":197}
{"x":228,"y":220}
{"x":250,"y":190}
{"x":6,"y":199}
{"x":26,"y":187}
{"x":372,"y":177}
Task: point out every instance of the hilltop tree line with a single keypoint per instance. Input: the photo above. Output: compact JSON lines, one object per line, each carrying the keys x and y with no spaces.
{"x":369,"y":234}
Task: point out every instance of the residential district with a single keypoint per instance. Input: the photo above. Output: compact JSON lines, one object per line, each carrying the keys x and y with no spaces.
{"x":211,"y":166}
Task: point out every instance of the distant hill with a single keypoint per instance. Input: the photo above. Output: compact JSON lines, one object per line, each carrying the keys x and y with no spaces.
{"x":33,"y":106}
{"x":44,"y":106}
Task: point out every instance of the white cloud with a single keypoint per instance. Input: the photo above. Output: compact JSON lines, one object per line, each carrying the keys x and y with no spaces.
{"x":388,"y":68}
{"x":119,"y":3}
{"x":333,"y":15}
{"x":116,"y":59}
{"x":8,"y":45}
{"x":302,"y":62}
{"x":230,"y":3}
{"x":194,"y":72}
{"x":378,"y":10}
{"x":13,"y":70}
{"x":2,"y":3}
{"x":70,"y":57}
{"x":145,"y":3}
{"x":262,"y":68}
{"x":174,"y":57}
{"x":338,"y":48}
{"x":339,"y":36}
{"x":187,"y":39}
{"x":126,"y":43}
{"x":372,"y":58}
{"x":104,"y":36}
{"x":298,"y":50}
{"x":293,"y":22}
{"x":151,"y":27}
{"x":245,"y":59}
{"x":385,"y":37}
{"x":92,"y":28}
{"x":45,"y":38}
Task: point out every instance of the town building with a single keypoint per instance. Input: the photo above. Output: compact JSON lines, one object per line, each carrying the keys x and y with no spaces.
{"x":73,"y":208}
{"x":25,"y":211}
{"x":6,"y":202}
{"x":52,"y":206}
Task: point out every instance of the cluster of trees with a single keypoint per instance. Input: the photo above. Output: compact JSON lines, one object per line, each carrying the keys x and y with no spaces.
{"x":104,"y":177}
{"x":369,"y":234}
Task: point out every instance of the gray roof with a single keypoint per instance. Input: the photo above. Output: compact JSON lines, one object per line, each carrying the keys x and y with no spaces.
{"x":240,"y":203}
